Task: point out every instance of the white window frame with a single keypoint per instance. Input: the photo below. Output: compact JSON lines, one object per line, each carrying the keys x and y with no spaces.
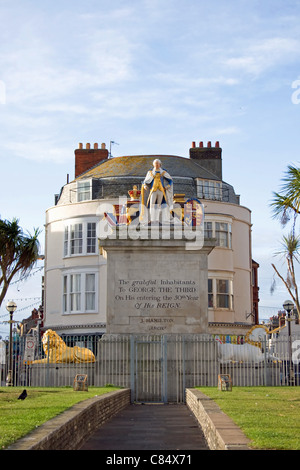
{"x":82,"y":293}
{"x":215,"y":232}
{"x":74,"y":293}
{"x":84,"y":190}
{"x":86,"y":245}
{"x":213,"y":294}
{"x":76,"y":239}
{"x":209,"y":189}
{"x":91,"y":238}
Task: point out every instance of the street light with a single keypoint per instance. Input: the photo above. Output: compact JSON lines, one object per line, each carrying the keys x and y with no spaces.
{"x":11,"y":308}
{"x":288,"y":306}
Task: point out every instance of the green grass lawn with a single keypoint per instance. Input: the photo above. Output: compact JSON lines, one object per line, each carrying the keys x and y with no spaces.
{"x":18,"y":418}
{"x":269,"y":416}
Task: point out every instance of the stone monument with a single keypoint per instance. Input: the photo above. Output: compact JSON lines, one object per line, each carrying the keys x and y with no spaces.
{"x":157,"y":262}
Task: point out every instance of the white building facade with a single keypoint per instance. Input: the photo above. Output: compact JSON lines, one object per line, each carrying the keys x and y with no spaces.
{"x":75,"y":269}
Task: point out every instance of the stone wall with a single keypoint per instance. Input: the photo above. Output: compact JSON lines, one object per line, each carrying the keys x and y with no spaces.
{"x":220,"y":431}
{"x":69,"y":430}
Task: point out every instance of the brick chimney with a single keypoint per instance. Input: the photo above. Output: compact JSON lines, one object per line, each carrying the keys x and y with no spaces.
{"x":87,"y":158}
{"x":208,"y":157}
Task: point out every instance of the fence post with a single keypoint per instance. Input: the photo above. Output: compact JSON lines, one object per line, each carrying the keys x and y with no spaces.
{"x":265,"y":361}
{"x":183,"y":369}
{"x":132,"y":367}
{"x":47,"y":366}
{"x":164,"y":352}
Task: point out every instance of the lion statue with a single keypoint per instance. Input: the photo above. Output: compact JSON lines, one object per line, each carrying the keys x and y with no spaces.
{"x":59,"y":352}
{"x":251,"y":350}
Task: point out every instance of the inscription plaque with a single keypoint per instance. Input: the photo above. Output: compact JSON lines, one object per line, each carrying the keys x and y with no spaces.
{"x":156,"y":287}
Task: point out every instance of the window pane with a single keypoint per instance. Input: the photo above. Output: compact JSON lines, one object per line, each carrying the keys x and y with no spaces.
{"x":90,"y":283}
{"x":65,"y":294}
{"x":83,"y":191}
{"x":75,"y":282}
{"x":222,"y":301}
{"x":75,"y":294}
{"x":66,"y":241}
{"x":90,"y":291}
{"x":76,"y":239}
{"x":218,"y":191}
{"x":208,"y":232}
{"x":222,"y":234}
{"x":200,"y":189}
{"x":210,"y":293}
{"x":90,"y":302}
{"x":206,"y":189}
{"x":91,"y":237}
{"x":222,"y":286}
{"x":222,"y":293}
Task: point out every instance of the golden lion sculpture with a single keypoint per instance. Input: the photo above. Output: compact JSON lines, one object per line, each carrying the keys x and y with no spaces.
{"x":59,"y":352}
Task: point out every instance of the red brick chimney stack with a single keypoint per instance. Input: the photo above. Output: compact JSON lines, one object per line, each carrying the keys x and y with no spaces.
{"x":208,"y":157}
{"x":87,"y":158}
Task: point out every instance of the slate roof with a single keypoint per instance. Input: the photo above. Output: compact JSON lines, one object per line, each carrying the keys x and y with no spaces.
{"x":138,"y":165}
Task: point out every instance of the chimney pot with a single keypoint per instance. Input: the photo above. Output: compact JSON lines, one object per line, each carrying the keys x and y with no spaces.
{"x":193,"y":145}
{"x":217,"y":144}
{"x":208,"y":157}
{"x":86,"y":158}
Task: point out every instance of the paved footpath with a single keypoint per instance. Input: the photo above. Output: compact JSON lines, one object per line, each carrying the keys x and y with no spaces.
{"x":149,"y":427}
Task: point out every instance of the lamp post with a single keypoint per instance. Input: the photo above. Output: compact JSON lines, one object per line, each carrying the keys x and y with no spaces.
{"x":10,"y":307}
{"x":288,"y":306}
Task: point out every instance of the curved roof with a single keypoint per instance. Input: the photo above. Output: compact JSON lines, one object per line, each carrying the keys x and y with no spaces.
{"x":138,"y":165}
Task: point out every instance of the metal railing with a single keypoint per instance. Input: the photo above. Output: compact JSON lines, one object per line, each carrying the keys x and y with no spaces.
{"x":156,"y":368}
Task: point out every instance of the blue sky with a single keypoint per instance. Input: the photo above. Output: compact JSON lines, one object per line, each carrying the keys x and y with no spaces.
{"x":152,"y":75}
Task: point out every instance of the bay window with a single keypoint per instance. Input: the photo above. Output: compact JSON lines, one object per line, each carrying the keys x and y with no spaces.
{"x":223,"y":234}
{"x":221,"y":231}
{"x":80,"y":292}
{"x":220,"y":294}
{"x":80,"y":238}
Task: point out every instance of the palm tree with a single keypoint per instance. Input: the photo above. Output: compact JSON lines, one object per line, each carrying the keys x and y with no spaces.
{"x":290,"y":251}
{"x":287,"y":202}
{"x":18,"y":253}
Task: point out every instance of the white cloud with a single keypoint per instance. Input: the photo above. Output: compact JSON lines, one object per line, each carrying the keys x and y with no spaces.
{"x":264,"y":55}
{"x":228,"y":130}
{"x":38,"y":149}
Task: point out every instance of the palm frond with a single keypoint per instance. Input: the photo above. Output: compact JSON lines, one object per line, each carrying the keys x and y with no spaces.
{"x":286,"y":203}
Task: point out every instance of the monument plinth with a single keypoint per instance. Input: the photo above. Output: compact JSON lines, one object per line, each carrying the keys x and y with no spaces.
{"x":156,"y":286}
{"x":156,"y":261}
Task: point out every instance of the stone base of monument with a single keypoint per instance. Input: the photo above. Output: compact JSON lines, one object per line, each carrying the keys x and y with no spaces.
{"x":156,"y":282}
